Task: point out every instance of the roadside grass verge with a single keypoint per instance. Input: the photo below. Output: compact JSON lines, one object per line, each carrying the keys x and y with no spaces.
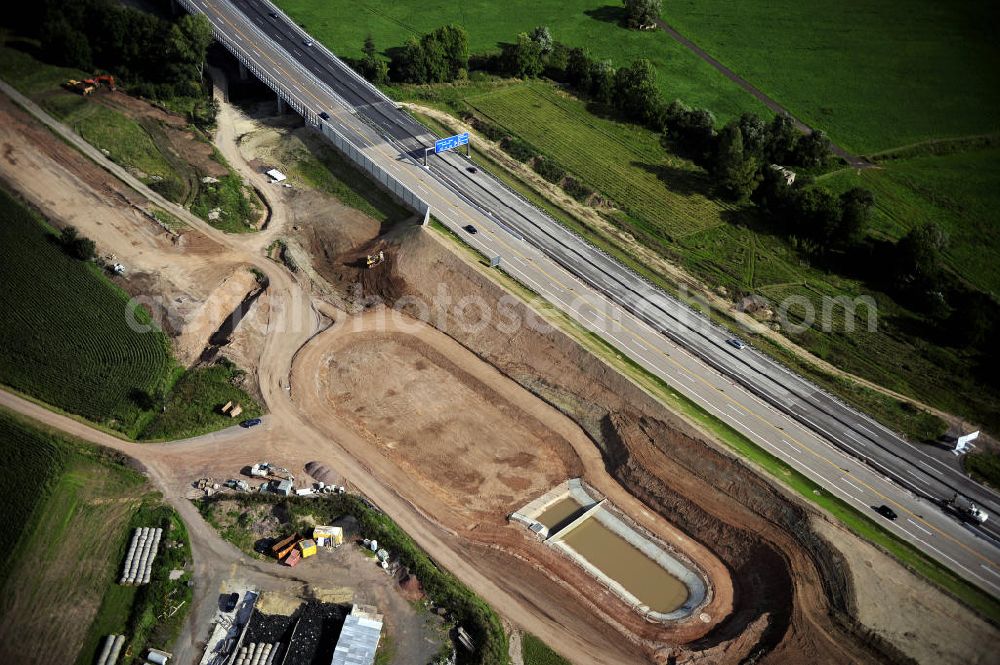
{"x":661,"y":195}
{"x":60,"y":595}
{"x":858,"y":523}
{"x":444,"y":589}
{"x":984,"y":467}
{"x":323,"y":168}
{"x":194,"y":405}
{"x":29,"y":75}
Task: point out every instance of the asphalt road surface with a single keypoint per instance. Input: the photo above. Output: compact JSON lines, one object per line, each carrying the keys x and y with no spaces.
{"x":844,"y":451}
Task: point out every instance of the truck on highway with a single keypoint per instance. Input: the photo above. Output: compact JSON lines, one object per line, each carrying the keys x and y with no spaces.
{"x":966,"y":510}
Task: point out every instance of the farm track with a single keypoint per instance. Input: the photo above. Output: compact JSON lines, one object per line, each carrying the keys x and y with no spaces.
{"x":855,"y":161}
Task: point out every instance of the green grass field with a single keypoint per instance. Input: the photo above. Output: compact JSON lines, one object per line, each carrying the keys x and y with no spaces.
{"x":64,"y":335}
{"x":592,"y":24}
{"x":874,"y":75}
{"x":194,"y":404}
{"x":28,"y":454}
{"x":662,"y":195}
{"x":61,"y":555}
{"x":956,"y":191}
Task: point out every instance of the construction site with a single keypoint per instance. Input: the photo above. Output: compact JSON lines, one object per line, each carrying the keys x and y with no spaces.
{"x":557,"y":489}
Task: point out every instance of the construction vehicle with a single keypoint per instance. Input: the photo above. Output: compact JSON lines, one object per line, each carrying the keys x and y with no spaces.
{"x":81,"y":87}
{"x":106,"y":80}
{"x":375,"y":259}
{"x":87,"y":86}
{"x":965,"y":509}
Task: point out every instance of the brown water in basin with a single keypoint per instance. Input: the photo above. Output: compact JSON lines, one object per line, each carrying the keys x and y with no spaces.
{"x":559,"y":513}
{"x":618,"y":559}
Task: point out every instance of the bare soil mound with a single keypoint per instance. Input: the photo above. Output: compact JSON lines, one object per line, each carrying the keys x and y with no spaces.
{"x":467,"y":443}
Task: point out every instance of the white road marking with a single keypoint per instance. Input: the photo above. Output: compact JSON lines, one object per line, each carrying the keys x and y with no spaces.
{"x":989,"y":570}
{"x":852,"y":484}
{"x":738,"y":411}
{"x":866,"y":429}
{"x":919,"y":527}
{"x":853,"y":449}
{"x":862,"y":503}
{"x":928,"y":466}
{"x":848,"y":433}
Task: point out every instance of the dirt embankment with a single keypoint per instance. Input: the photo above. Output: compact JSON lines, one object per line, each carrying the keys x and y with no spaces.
{"x":791,"y":588}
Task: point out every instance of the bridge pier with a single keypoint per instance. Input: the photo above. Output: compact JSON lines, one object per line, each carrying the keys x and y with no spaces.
{"x":243,"y":72}
{"x":282,"y":106}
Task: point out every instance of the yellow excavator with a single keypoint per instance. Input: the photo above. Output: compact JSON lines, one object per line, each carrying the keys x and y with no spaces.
{"x":375,"y":259}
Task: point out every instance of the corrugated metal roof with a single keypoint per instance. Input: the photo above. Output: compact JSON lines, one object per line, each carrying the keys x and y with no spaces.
{"x":358,"y":639}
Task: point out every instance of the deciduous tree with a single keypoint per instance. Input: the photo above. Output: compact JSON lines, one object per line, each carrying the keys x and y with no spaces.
{"x":640,"y":13}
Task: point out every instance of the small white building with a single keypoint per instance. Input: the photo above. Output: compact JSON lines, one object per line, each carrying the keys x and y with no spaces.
{"x":276,"y":176}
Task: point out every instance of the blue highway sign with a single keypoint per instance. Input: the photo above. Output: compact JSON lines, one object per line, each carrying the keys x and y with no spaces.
{"x":451,"y":142}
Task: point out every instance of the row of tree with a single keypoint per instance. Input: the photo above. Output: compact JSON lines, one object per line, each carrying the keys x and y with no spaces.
{"x":745,"y":158}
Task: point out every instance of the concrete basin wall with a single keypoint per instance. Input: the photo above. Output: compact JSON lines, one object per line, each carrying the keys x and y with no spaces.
{"x":597,"y":508}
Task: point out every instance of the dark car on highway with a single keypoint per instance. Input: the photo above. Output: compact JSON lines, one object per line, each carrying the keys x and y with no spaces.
{"x":471,"y":229}
{"x":324,"y":115}
{"x":252,"y":422}
{"x":886,"y":512}
{"x":472,"y":169}
{"x":735,"y":343}
{"x":273,"y":14}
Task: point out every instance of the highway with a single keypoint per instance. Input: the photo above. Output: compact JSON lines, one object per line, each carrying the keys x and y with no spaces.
{"x":847,"y":453}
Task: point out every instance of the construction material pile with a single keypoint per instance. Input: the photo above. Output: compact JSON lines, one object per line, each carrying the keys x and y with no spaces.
{"x":316,"y":634}
{"x":112,"y":648}
{"x":257,"y":653}
{"x":141,"y":553}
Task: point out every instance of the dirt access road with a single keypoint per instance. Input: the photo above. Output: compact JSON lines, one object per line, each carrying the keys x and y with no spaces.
{"x":854,"y":161}
{"x":469,"y":446}
{"x":292,"y":320}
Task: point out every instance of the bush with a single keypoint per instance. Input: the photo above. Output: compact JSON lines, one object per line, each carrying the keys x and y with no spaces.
{"x":984,"y":467}
{"x":76,"y":245}
{"x":518,"y":149}
{"x":549,"y":169}
{"x":169,"y":188}
{"x":577,"y":189}
{"x":488,"y":129}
